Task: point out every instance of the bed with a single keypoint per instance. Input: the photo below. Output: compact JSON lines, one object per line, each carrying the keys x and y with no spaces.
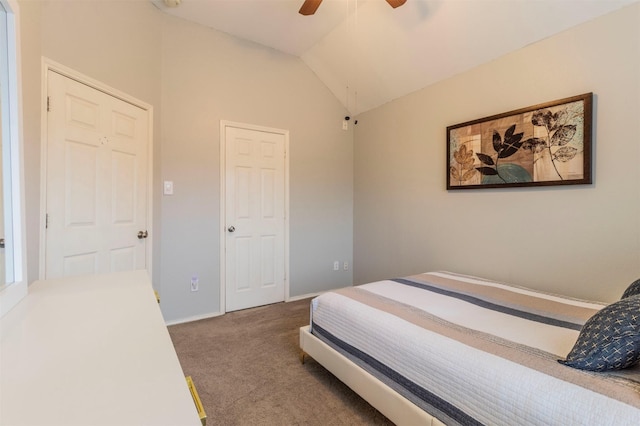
{"x":444,"y":348}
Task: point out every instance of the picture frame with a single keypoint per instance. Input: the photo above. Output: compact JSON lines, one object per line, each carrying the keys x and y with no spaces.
{"x":540,"y":145}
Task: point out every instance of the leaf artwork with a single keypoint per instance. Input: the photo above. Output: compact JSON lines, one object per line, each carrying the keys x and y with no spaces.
{"x":545,"y":144}
{"x":465,"y":170}
{"x":504,"y":148}
{"x":535,"y":145}
{"x":560,"y":131}
{"x":564,"y":154}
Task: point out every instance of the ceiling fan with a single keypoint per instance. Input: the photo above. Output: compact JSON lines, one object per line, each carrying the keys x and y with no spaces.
{"x":309,"y":7}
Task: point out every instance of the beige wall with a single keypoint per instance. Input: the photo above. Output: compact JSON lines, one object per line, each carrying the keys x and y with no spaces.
{"x":194,"y":77}
{"x":578,"y":240}
{"x":207,"y":77}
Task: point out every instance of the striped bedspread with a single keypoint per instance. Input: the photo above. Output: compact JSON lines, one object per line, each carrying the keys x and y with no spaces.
{"x":472,"y":351}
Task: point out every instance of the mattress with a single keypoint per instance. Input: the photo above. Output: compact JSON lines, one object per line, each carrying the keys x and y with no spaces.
{"x":473,"y":351}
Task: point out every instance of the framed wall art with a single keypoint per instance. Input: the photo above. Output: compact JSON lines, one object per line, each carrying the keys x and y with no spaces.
{"x":545,"y":144}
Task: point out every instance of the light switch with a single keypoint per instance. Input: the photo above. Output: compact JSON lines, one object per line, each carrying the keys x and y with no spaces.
{"x":168,"y":187}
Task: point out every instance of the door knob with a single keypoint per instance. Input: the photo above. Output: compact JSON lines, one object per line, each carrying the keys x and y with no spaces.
{"x":142,"y":234}
{"x":231,"y":229}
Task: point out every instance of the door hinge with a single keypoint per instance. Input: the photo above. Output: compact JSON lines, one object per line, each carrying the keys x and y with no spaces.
{"x":48,"y":103}
{"x":46,"y":221}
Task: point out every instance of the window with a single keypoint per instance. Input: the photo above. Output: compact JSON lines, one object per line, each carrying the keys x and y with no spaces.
{"x":13,"y":283}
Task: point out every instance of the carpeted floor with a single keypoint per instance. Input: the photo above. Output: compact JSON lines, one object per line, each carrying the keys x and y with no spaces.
{"x":246,"y":367}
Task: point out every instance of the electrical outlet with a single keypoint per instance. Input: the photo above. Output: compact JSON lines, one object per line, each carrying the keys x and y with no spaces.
{"x":194,"y":283}
{"x":345,"y":265}
{"x":336,"y":265}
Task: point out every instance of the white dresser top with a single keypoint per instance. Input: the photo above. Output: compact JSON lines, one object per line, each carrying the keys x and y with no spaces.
{"x":91,"y":351}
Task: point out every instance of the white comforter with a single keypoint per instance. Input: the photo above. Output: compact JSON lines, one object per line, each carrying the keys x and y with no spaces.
{"x":469,"y":356}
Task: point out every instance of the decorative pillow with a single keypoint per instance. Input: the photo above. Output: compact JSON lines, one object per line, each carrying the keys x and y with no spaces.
{"x":609,"y":340}
{"x":632,"y":290}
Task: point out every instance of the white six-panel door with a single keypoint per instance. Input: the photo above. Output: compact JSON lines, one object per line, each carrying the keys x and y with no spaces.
{"x":254,"y":217}
{"x":96,"y":185}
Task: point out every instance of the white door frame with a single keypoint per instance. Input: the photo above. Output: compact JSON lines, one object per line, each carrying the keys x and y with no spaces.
{"x":223,"y":194}
{"x":51,"y":66}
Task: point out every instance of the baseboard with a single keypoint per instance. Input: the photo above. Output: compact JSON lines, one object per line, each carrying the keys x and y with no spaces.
{"x":310,"y":295}
{"x":192,"y":319}
{"x":217,"y":314}
{"x":304,"y":296}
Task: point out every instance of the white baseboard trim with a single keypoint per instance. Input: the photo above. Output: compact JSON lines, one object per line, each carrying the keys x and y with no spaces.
{"x":307,"y":296}
{"x":191,"y":319}
{"x":217,"y":314}
{"x":304,"y":296}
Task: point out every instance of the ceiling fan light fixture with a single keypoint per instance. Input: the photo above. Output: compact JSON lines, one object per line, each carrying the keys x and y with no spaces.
{"x":309,"y":7}
{"x":396,"y":3}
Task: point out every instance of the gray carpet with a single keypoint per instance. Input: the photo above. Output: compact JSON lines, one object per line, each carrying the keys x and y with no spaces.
{"x":247,"y":370}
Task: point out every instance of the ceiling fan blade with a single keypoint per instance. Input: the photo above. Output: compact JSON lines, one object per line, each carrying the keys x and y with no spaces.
{"x":396,"y":3}
{"x":309,"y":7}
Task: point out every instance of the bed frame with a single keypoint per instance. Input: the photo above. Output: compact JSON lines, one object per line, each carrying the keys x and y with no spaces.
{"x":394,"y":406}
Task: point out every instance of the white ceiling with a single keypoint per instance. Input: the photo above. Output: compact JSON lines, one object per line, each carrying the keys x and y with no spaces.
{"x":368,"y":53}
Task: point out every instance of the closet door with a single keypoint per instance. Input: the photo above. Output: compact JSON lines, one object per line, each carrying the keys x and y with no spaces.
{"x":96,"y":194}
{"x":255,"y":217}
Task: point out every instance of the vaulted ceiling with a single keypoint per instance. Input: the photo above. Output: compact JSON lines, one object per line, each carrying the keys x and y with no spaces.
{"x":368,"y":53}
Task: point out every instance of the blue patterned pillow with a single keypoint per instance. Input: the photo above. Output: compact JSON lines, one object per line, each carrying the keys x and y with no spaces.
{"x":632,"y":290}
{"x":609,"y":340}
